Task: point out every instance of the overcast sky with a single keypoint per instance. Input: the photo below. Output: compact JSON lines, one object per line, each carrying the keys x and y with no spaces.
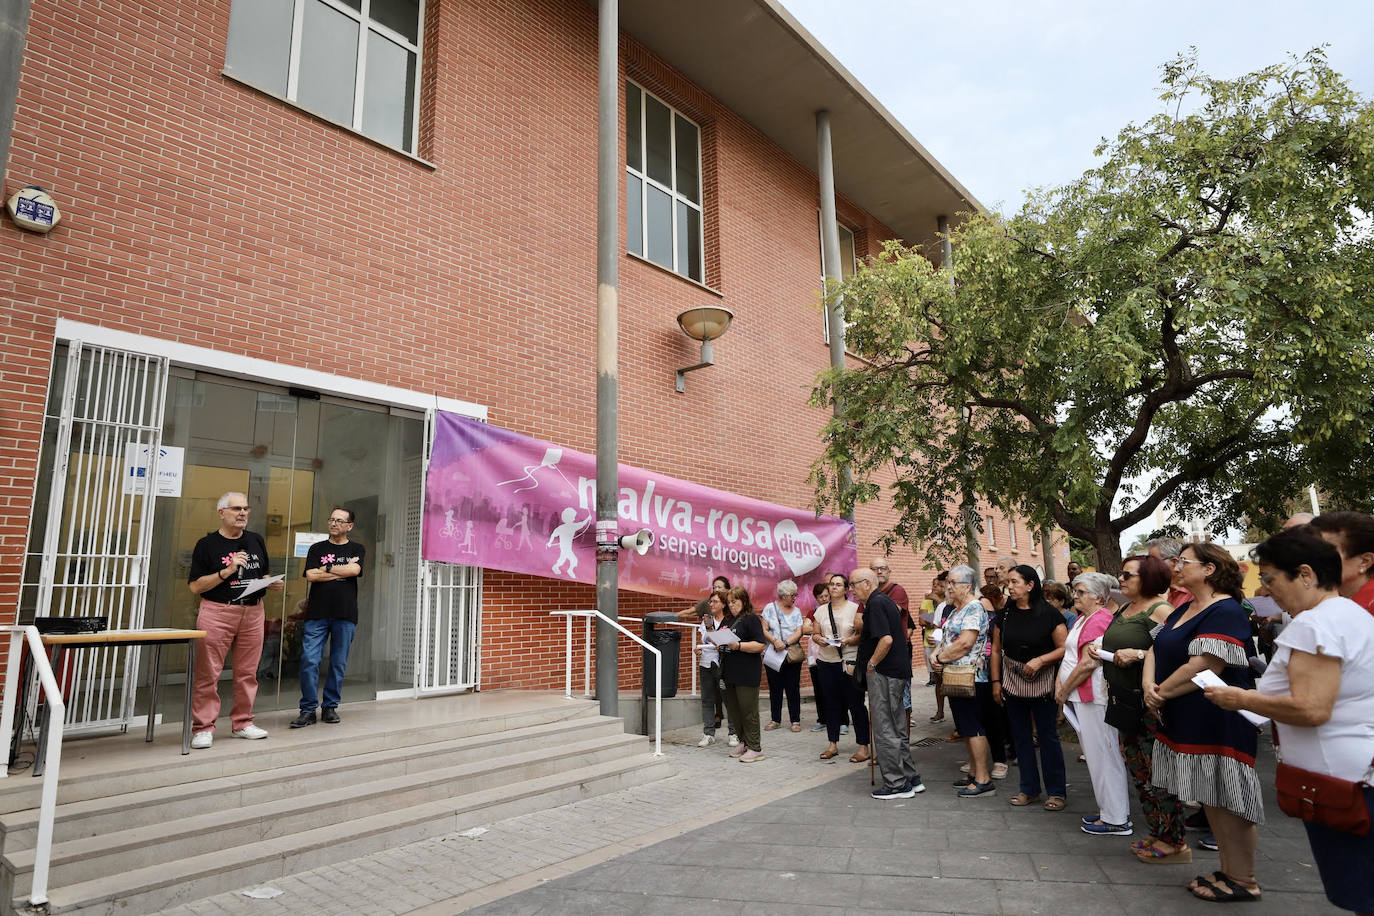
{"x":1011,"y":95}
{"x":1015,"y":94}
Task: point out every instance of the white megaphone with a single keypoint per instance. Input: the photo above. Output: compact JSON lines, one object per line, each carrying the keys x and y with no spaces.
{"x":639,"y":542}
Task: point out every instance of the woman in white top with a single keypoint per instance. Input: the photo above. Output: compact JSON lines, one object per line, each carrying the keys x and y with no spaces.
{"x":709,"y":671}
{"x":1082,"y":687}
{"x":1319,"y":690}
{"x":782,"y":629}
{"x":839,"y":620}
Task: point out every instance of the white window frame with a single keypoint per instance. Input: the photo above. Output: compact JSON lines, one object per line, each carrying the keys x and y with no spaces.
{"x":825,"y":276}
{"x":366,"y":24}
{"x":643,"y":175}
{"x":1011,"y":533}
{"x":992,"y":532}
{"x":1035,"y":543}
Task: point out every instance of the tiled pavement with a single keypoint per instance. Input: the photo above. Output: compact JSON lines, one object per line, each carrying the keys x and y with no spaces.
{"x":792,"y":835}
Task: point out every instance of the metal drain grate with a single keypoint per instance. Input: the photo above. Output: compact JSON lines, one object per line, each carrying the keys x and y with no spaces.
{"x":928,"y":742}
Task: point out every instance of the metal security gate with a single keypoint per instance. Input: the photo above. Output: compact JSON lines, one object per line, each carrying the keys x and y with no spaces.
{"x":97,"y":539}
{"x":448,"y":647}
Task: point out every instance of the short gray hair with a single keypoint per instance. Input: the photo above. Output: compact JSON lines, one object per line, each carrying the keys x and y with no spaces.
{"x":223,"y":502}
{"x":1099,"y":585}
{"x":1168,"y":547}
{"x":787,"y":588}
{"x":963,"y":575}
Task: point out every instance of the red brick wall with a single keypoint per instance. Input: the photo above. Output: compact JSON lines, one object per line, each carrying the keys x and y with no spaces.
{"x":202,"y":211}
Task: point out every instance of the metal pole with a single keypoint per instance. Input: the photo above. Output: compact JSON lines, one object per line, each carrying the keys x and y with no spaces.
{"x":607,"y":337}
{"x":830,"y":246}
{"x":969,"y":505}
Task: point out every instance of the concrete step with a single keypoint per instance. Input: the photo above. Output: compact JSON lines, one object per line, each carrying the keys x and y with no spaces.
{"x":92,"y":858}
{"x":154,"y":770}
{"x":97,"y":816}
{"x":146,"y":888}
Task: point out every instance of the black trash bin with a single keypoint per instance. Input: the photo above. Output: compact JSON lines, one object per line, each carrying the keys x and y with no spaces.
{"x":667,"y":640}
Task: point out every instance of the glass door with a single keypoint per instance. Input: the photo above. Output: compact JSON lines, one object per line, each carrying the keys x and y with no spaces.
{"x":296,"y":456}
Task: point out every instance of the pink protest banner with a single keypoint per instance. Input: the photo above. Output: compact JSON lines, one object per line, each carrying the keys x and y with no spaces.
{"x":499,"y":500}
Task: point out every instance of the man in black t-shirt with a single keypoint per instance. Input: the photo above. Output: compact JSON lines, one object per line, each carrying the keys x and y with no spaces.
{"x":884,"y":644}
{"x":332,"y":568}
{"x":223,"y":564}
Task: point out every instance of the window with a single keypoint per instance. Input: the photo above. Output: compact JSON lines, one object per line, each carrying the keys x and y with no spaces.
{"x":846,"y":265}
{"x":663,"y":215}
{"x":355,"y":62}
{"x":992,"y":532}
{"x":1011,"y":534}
{"x":1035,"y":543}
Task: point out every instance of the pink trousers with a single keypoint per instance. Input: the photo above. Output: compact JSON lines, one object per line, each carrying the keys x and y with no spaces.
{"x":238,"y":625}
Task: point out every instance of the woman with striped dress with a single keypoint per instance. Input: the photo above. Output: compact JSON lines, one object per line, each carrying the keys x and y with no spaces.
{"x":1201,"y":751}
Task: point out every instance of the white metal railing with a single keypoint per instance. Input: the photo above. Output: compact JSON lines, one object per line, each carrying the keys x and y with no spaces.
{"x":38,"y":891}
{"x":586,"y":664}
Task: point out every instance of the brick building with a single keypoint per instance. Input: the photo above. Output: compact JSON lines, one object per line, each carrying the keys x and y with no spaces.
{"x":292,"y":229}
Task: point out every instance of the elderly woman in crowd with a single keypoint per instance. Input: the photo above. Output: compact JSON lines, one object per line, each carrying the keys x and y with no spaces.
{"x":1145,"y":583}
{"x":1319,"y":689}
{"x":1202,"y":751}
{"x":742,"y":667}
{"x":964,"y":642}
{"x":782,"y":629}
{"x":839,"y":621}
{"x":1026,"y":651}
{"x":709,"y":669}
{"x":1352,"y":534}
{"x":1083,"y":688}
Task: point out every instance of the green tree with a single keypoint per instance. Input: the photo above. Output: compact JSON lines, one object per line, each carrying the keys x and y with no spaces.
{"x":1187,"y":324}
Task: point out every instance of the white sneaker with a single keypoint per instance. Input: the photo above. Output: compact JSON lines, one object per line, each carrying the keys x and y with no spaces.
{"x":251,"y":732}
{"x":201,"y":740}
{"x":733,"y":741}
{"x":706,"y":741}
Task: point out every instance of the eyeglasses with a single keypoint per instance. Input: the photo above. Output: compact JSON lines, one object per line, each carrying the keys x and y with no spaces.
{"x":1127,"y":575}
{"x":1185,"y":560}
{"x":1080,"y":592}
{"x":880,"y":568}
{"x":239,"y":508}
{"x":1266,"y":579}
{"x":339,"y":521}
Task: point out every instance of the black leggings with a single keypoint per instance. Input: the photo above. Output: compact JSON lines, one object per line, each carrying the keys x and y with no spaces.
{"x":786,"y":681}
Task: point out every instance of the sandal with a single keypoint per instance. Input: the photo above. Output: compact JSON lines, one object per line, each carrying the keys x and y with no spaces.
{"x":1055,"y":803}
{"x":827,"y":755}
{"x":1021,"y":799}
{"x":1227,"y":890}
{"x":796,"y":726}
{"x":1213,"y":878}
{"x":771,"y":726}
{"x":1148,"y":852}
{"x":859,"y":757}
{"x":939,"y":718}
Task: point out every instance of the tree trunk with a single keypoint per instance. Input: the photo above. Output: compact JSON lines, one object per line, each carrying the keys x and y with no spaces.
{"x":1107,"y":545}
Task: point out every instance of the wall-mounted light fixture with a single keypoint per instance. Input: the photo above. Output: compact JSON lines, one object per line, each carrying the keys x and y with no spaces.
{"x":704,"y":324}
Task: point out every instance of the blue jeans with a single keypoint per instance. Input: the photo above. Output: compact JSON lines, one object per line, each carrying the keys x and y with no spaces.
{"x":340,"y":633}
{"x":1045,"y":712}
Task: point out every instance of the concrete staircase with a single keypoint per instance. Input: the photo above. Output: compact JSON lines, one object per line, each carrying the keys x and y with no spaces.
{"x":145,"y":839}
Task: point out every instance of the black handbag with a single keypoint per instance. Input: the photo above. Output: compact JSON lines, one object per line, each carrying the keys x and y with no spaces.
{"x":1126,"y":711}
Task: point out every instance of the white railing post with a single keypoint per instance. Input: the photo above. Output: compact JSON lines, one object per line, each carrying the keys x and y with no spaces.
{"x":658,"y":665}
{"x":567,"y":652}
{"x":57,"y":712}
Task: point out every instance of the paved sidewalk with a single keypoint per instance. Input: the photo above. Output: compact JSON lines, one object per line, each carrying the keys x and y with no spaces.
{"x":791,"y":834}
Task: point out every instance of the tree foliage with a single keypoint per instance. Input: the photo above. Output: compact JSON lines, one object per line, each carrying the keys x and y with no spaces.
{"x":1188,"y":324}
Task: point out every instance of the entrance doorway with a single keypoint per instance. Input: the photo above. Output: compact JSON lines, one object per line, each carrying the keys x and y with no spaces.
{"x":297,"y":455}
{"x":97,"y":546}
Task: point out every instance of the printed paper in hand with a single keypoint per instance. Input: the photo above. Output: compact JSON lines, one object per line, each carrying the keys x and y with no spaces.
{"x":1106,"y":657}
{"x":723,"y":637}
{"x":1209,"y":678}
{"x":774,"y":658}
{"x":252,"y":586}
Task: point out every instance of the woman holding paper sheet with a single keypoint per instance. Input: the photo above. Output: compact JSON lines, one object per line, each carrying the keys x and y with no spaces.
{"x":1319,"y":690}
{"x":838,"y":621}
{"x":782,"y":629}
{"x":1145,"y":583}
{"x":1202,"y":751}
{"x":742,"y":667}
